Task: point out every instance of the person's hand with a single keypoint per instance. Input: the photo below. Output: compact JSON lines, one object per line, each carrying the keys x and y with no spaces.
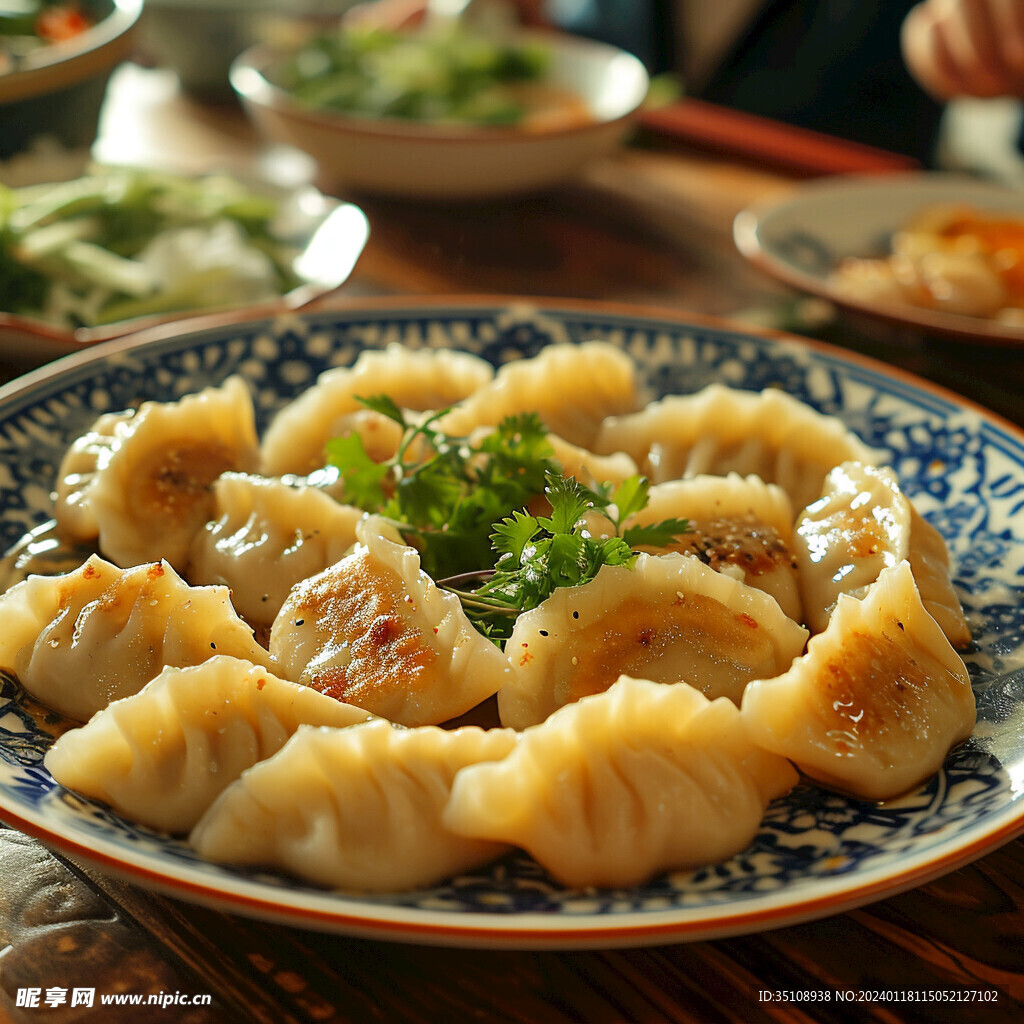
{"x":966,"y":47}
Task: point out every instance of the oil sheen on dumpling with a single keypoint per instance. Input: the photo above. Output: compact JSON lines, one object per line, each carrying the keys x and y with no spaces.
{"x":616,"y":787}
{"x":570,"y":387}
{"x":666,"y":618}
{"x":356,"y":809}
{"x":266,"y":535}
{"x":738,"y":525}
{"x":877,"y":702}
{"x":151,"y":492}
{"x":161,"y":756}
{"x":78,"y":641}
{"x":416,"y":379}
{"x":375,"y":630}
{"x":862,"y":524}
{"x":720,"y":430}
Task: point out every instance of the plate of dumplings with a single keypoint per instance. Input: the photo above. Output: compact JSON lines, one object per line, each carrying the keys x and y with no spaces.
{"x":768,"y":683}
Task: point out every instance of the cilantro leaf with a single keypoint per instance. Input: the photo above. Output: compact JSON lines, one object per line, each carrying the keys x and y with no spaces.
{"x":386,"y":406}
{"x":445,"y":493}
{"x":425,"y":496}
{"x":537,"y":555}
{"x":630,"y":497}
{"x":655,"y":535}
{"x":363,"y":478}
{"x":567,"y":561}
{"x":512,"y":535}
{"x":570,"y":502}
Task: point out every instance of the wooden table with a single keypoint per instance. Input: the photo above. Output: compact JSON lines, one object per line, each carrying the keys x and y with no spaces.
{"x":650,"y":226}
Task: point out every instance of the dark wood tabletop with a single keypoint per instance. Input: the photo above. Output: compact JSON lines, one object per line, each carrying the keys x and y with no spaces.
{"x":649,"y":227}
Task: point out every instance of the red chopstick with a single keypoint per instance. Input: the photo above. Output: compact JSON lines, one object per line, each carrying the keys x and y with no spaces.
{"x":769,"y":143}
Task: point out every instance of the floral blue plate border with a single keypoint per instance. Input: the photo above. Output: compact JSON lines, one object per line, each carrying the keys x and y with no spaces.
{"x":817,"y":853}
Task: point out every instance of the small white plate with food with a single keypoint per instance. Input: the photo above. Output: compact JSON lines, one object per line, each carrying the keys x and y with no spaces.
{"x":272,"y":643}
{"x":117,"y":249}
{"x":940,"y":253}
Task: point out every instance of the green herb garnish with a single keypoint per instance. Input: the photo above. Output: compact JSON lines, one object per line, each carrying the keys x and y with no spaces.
{"x":539,"y":554}
{"x":443,"y":493}
{"x":463,"y":505}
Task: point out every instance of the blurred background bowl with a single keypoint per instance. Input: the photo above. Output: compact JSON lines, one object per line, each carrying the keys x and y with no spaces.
{"x":55,"y":92}
{"x":198,"y":39}
{"x":416,"y":160}
{"x":320,"y":237}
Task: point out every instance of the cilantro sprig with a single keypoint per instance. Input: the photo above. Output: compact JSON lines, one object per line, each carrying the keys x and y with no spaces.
{"x":445,"y":493}
{"x":539,"y":554}
{"x":464,"y":503}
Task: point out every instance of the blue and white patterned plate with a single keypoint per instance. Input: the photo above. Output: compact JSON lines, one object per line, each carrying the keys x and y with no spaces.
{"x":817,"y":853}
{"x":800,"y":239}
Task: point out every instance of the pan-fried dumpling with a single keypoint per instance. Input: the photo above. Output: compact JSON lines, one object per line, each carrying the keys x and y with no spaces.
{"x":71,"y":508}
{"x":609,"y":790}
{"x":877,"y":701}
{"x":415,"y":379}
{"x":357,"y":808}
{"x":668,"y":617}
{"x":78,"y":641}
{"x":588,"y":467}
{"x":161,"y":756}
{"x":862,"y":524}
{"x":151,"y":491}
{"x":738,"y":525}
{"x":265,"y":536}
{"x":374,"y":629}
{"x":929,"y":561}
{"x":720,"y":430}
{"x":380,"y":434}
{"x":570,"y":387}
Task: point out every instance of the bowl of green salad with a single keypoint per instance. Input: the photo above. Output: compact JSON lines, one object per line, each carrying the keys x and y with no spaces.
{"x":55,"y":59}
{"x":121,"y":248}
{"x":442,"y":112}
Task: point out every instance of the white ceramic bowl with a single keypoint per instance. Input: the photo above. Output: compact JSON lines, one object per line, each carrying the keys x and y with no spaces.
{"x":57,"y":90}
{"x":415,"y":160}
{"x":198,"y":39}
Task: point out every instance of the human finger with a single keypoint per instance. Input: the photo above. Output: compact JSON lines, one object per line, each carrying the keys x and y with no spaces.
{"x":968,"y":31}
{"x":1008,"y":20}
{"x":927,"y":54}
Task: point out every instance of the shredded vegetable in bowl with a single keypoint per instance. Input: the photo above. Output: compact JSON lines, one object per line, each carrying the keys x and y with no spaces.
{"x":445,"y":76}
{"x":118,"y":244}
